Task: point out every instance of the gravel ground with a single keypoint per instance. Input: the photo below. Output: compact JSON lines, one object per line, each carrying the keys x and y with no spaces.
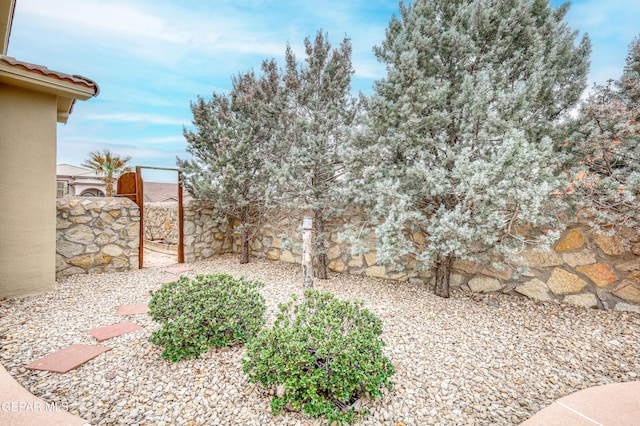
{"x":469,"y":360}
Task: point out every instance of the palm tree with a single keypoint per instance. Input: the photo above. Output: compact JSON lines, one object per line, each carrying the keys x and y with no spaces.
{"x":109,"y":165}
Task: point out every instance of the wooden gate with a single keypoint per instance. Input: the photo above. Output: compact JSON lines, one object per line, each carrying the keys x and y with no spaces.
{"x":131,"y":186}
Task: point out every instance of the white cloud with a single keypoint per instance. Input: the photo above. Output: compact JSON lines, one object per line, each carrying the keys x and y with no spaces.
{"x":135,"y":117}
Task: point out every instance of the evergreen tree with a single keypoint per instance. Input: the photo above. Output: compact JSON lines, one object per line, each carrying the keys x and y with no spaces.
{"x":319,"y":116}
{"x":232,"y":147}
{"x":459,"y":146}
{"x":630,"y":79}
{"x":606,"y":151}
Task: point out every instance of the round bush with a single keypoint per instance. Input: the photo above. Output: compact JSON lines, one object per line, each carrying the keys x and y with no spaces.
{"x":210,"y":311}
{"x":323,"y":354}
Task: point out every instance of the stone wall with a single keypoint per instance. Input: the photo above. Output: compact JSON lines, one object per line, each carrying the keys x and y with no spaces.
{"x":96,"y":235}
{"x":205,"y":232}
{"x":161,"y":222}
{"x":584,"y":268}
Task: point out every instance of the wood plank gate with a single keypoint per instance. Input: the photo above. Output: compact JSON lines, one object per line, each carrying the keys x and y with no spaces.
{"x":131,"y":185}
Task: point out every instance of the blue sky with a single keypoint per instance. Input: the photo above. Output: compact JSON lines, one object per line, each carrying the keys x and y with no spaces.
{"x":152,"y":57}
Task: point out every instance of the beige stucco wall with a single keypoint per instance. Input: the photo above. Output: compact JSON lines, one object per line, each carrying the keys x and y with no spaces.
{"x":28,"y":191}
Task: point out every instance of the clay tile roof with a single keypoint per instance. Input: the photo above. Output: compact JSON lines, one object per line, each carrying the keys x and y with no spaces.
{"x":41,"y":69}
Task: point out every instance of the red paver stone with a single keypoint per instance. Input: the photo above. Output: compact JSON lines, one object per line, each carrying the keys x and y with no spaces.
{"x":167,"y":280}
{"x":178,"y":269}
{"x":68,"y":358}
{"x":103,"y":333}
{"x":141,"y":308}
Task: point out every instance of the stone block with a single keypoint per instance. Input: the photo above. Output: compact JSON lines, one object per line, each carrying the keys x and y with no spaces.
{"x":397,"y":276}
{"x":276,"y":242}
{"x":376,"y":271}
{"x":106,"y":237}
{"x":609,"y":244}
{"x":599,"y":273}
{"x":628,"y":291}
{"x":69,"y":249}
{"x":573,"y":240}
{"x":588,"y":300}
{"x":563,"y":282}
{"x":535,"y":289}
{"x":455,"y":280}
{"x":629,"y":266}
{"x":101,"y":260}
{"x":484,"y":285}
{"x":467,"y":266}
{"x":334,"y":252}
{"x":287,"y":256}
{"x":80,"y":234}
{"x":355,"y":262}
{"x":541,"y":259}
{"x":83,"y":262}
{"x":371,"y":258}
{"x":80,"y":219}
{"x":579,"y":259}
{"x":503,"y":274}
{"x":112,"y":250}
{"x":337,"y":266}
{"x":627,"y":307}
{"x":273,"y":254}
{"x":635,"y":277}
{"x":106,"y":218}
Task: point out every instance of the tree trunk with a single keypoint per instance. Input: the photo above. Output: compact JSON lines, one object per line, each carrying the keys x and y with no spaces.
{"x":443,"y":272}
{"x":108,"y":183}
{"x":321,"y":257}
{"x":244,"y":251}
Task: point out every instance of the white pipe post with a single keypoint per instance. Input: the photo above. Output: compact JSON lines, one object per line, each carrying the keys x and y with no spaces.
{"x":307,"y":249}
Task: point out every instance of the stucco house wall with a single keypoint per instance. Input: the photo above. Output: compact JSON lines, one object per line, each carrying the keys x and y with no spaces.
{"x":33,"y":99}
{"x":28,"y":224}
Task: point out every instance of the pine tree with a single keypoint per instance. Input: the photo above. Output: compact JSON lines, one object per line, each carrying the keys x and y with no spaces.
{"x":606,"y":151}
{"x":318,"y":121}
{"x":232,"y":147}
{"x":459,"y":147}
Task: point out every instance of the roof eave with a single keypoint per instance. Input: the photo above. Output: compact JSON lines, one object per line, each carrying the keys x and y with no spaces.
{"x":66,"y":92}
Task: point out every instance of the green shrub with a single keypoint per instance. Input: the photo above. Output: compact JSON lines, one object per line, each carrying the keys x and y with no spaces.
{"x":325,"y":353}
{"x":209,"y":311}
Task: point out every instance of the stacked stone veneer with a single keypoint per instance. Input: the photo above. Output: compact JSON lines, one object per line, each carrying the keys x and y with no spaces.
{"x":584,"y":268}
{"x":161,"y":222}
{"x":205,"y":232}
{"x":96,"y":235}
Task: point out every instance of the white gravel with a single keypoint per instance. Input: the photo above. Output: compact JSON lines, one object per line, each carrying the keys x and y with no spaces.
{"x":468,"y":360}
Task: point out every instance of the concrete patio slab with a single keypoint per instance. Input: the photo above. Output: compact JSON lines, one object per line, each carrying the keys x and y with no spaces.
{"x":67,"y":359}
{"x":178,"y":269}
{"x":617,"y":404}
{"x":21,"y":408}
{"x":136,"y":309}
{"x":104,"y":333}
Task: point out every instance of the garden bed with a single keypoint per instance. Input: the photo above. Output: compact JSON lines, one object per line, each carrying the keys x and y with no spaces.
{"x":466,"y":360}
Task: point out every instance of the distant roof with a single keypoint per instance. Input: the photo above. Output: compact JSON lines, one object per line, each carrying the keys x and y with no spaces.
{"x":42,"y":70}
{"x":156,"y":192}
{"x":69,"y":170}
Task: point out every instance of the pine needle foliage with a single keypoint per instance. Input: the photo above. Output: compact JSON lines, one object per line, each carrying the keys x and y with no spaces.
{"x":231,"y":149}
{"x":318,"y":122}
{"x":605,"y":152}
{"x":460,"y":146}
